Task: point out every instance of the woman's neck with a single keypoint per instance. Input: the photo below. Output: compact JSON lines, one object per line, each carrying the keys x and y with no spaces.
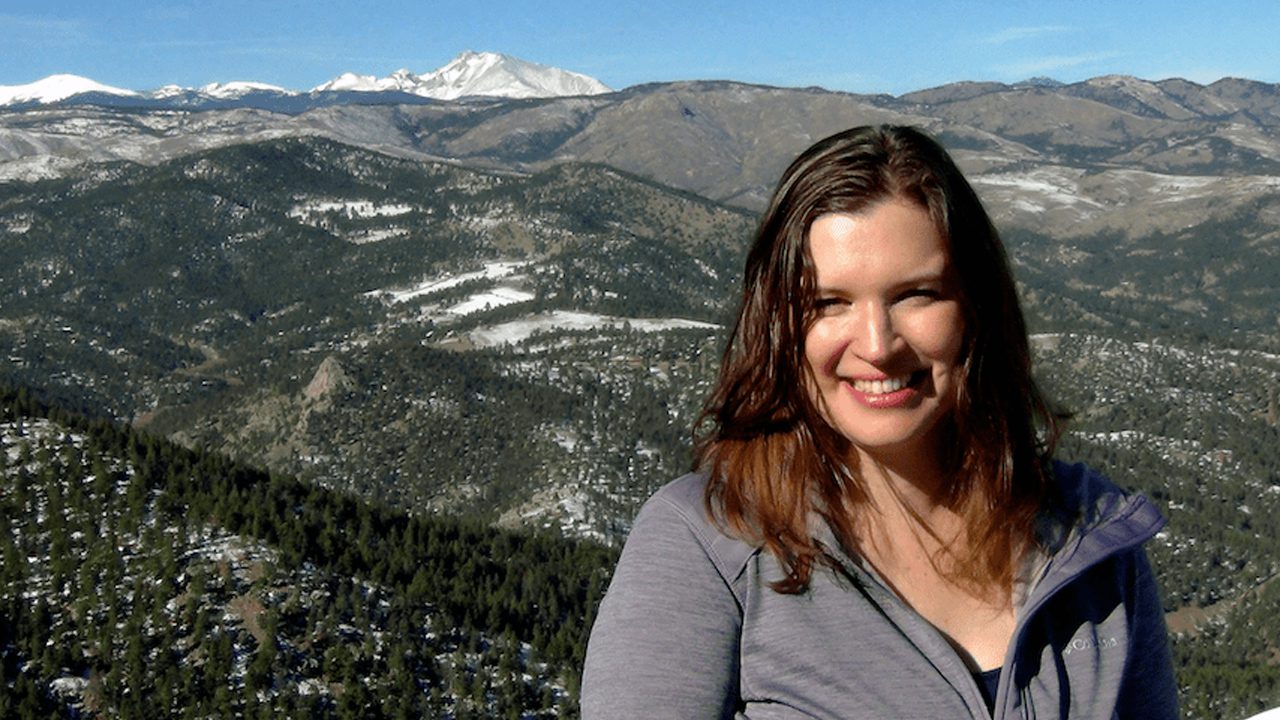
{"x":918,"y":482}
{"x":909,"y":510}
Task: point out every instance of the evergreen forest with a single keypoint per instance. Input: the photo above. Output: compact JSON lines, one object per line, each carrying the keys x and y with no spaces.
{"x":142,"y":579}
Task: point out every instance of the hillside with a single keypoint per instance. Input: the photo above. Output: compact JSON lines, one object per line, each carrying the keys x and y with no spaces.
{"x":319,"y":308}
{"x":307,"y":305}
{"x":158,"y":582}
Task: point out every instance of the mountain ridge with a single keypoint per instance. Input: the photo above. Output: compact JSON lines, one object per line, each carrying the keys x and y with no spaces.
{"x":724,"y":140}
{"x":470,"y":74}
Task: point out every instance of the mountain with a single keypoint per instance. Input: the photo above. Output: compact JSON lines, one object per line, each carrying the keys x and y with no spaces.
{"x":473,"y":74}
{"x":55,"y":88}
{"x":232,"y":90}
{"x":400,"y":80}
{"x":1115,"y":155}
{"x":469,"y":75}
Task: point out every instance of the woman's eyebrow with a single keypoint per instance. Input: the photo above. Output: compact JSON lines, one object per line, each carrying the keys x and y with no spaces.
{"x":923,"y":276}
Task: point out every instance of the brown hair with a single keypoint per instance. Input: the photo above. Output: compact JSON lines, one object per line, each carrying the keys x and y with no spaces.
{"x":773,"y":461}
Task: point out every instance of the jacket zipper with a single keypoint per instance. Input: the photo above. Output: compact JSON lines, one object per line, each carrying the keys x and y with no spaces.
{"x":1135,"y":540}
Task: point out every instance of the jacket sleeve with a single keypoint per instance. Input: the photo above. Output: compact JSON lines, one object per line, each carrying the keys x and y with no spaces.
{"x":1149,"y":690}
{"x":665,"y":641}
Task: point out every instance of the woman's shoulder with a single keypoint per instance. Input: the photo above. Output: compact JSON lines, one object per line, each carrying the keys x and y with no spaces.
{"x":1082,"y":488}
{"x":1084,"y":499}
{"x":1079,"y":484}
{"x":676,"y":516}
{"x":665,"y":640}
{"x":684,"y":496}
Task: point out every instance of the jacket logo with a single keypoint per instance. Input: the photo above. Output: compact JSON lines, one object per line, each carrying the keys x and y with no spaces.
{"x":1102,"y":643}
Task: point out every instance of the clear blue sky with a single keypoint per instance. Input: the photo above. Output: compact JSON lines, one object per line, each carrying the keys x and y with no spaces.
{"x":892,"y":46}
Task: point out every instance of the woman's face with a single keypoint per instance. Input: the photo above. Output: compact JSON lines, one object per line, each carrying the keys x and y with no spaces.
{"x":888,"y":327}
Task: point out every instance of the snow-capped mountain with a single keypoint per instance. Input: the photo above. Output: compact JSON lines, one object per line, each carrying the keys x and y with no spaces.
{"x":469,"y":74}
{"x":221,"y":91}
{"x":230,"y":90}
{"x":476,"y":74}
{"x":400,"y":80}
{"x":55,"y":88}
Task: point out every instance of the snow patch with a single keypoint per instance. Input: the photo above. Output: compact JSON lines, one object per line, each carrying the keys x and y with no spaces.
{"x":1039,"y":190}
{"x":491,"y":271}
{"x":517,"y":331}
{"x":349,"y":208}
{"x":566,"y":439}
{"x":69,"y":686}
{"x":490,"y":299}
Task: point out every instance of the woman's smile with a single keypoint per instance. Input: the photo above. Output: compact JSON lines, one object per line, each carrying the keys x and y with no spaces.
{"x":888,"y":392}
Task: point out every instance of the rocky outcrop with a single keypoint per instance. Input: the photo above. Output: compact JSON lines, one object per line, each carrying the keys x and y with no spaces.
{"x":330,"y":379}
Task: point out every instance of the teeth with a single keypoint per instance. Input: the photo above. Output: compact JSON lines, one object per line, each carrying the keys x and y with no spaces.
{"x":880,"y":387}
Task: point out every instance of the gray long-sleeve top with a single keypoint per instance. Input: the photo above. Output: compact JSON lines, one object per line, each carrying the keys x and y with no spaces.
{"x":690,"y":628}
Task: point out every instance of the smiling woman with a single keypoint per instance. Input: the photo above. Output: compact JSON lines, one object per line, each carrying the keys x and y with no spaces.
{"x":883,"y":345}
{"x":876,"y":527}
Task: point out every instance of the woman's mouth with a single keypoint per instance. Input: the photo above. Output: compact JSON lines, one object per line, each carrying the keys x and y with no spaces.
{"x":880,"y":387}
{"x":888,"y":392}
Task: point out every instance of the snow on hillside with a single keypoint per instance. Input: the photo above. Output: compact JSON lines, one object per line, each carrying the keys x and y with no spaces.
{"x":348,"y":208}
{"x":517,"y":331}
{"x":1066,"y":196}
{"x":321,"y":213}
{"x":491,"y":271}
{"x":510,"y":291}
{"x":1038,"y":190}
{"x":489,"y":299}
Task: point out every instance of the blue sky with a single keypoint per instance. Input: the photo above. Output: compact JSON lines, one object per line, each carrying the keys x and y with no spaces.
{"x":865,"y":47}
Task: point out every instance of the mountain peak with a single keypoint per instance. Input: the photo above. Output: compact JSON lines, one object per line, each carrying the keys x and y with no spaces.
{"x":474,"y":73}
{"x":1117,"y":81}
{"x":1041,"y":81}
{"x":55,"y":88}
{"x":239,"y":89}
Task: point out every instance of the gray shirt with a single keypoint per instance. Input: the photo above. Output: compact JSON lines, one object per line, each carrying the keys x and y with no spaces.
{"x":690,"y":628}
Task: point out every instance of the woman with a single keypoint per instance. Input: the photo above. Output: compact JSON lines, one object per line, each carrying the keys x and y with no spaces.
{"x":876,"y":529}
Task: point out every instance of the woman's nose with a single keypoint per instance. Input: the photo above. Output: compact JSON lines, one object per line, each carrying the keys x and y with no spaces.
{"x":873,"y":334}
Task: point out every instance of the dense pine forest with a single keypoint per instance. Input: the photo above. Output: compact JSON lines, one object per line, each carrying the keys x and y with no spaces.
{"x":142,"y":579}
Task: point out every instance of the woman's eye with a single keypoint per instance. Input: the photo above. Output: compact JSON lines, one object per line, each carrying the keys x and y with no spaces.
{"x":825,"y":306}
{"x":921,"y":294}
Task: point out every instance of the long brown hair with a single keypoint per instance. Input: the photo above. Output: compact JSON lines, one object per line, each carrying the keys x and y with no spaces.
{"x":772,"y":459}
